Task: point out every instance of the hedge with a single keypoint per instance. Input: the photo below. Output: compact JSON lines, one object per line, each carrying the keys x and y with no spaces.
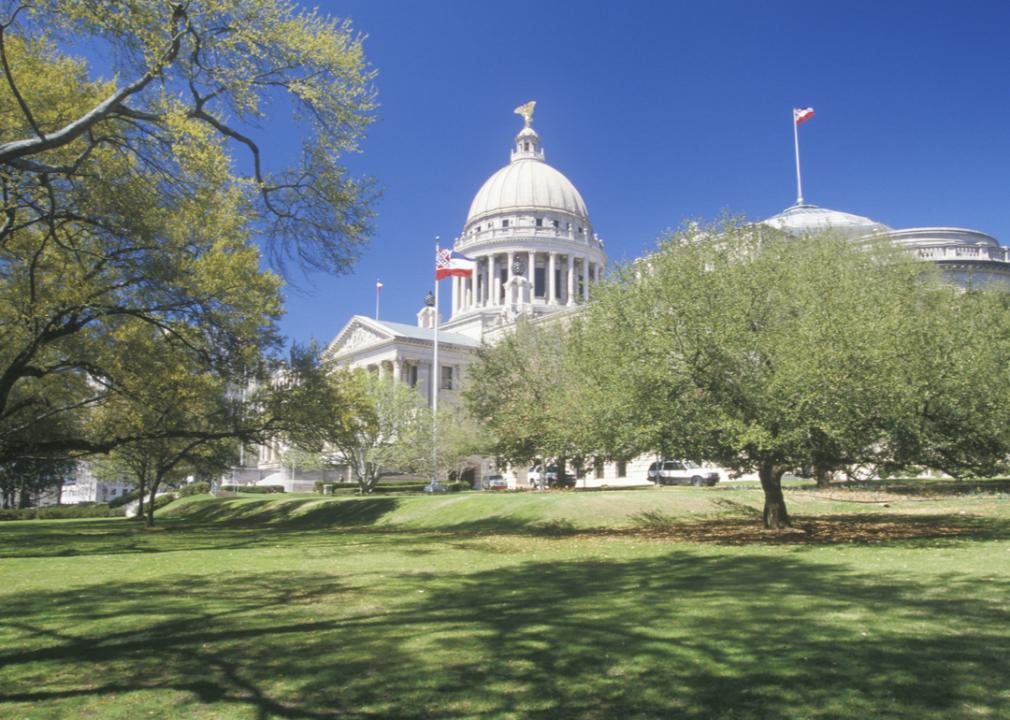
{"x":59,"y":512}
{"x":253,"y":489}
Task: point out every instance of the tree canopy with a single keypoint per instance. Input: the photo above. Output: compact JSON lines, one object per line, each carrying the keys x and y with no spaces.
{"x":132,"y":207}
{"x":765,"y":353}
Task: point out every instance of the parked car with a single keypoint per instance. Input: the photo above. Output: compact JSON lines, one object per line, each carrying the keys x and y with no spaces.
{"x":495,"y":482}
{"x":537,"y":475}
{"x":677,"y":472}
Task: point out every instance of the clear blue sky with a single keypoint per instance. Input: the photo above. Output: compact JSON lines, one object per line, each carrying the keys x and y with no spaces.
{"x":663,"y":111}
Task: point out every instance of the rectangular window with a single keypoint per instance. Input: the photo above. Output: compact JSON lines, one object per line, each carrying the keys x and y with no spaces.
{"x":557,"y":283}
{"x":556,"y":224}
{"x":540,"y":222}
{"x":598,"y":467}
{"x":504,"y":223}
{"x":412,"y":375}
{"x":622,"y":468}
{"x":539,"y":282}
{"x":446,"y":383}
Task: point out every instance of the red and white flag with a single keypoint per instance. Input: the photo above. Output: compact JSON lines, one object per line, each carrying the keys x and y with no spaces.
{"x":449,"y":263}
{"x":801,"y":114}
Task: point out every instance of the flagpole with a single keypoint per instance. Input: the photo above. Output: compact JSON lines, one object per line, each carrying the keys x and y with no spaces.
{"x":434,"y":391}
{"x":796,"y":142}
{"x":378,"y":290}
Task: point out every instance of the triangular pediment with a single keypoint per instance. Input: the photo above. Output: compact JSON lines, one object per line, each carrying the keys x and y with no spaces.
{"x":358,"y":333}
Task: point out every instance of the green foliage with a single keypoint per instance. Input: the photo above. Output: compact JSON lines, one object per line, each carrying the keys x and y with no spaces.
{"x":126,"y":224}
{"x":63,"y":512}
{"x":761,"y":352}
{"x":194,"y":488}
{"x":351,"y":417}
{"x":515,"y":388}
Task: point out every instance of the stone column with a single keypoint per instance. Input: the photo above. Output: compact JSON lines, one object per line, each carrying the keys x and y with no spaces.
{"x":551,"y":285}
{"x":570,"y":285}
{"x":585,"y":278}
{"x":492,"y":285}
{"x":455,"y":294}
{"x":397,"y":369}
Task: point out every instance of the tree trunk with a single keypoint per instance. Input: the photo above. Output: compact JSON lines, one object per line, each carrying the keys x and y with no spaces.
{"x":823,"y":476}
{"x":142,"y":488}
{"x":775,"y":515}
{"x":149,"y":518}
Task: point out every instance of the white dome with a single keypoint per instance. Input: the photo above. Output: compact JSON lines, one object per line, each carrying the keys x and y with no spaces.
{"x":527,"y":183}
{"x":800,"y":219}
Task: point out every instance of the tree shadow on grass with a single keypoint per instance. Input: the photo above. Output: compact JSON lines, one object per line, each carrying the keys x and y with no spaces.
{"x":682,"y":634}
{"x":231,"y":524}
{"x":841,"y":529}
{"x":222,"y":524}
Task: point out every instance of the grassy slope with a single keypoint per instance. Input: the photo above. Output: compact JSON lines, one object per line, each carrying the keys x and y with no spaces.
{"x":564,"y":605}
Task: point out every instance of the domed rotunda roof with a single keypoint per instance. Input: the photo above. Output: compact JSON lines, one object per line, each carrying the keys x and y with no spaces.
{"x":805,"y":218}
{"x":526,"y":183}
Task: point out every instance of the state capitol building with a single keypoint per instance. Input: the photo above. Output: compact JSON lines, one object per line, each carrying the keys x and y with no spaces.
{"x":537,"y":256}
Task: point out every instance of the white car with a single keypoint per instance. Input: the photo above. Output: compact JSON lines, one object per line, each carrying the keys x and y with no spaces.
{"x":677,"y":472}
{"x":537,"y":474}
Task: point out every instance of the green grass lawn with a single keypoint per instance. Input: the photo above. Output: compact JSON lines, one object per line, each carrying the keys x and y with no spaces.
{"x":657,"y":603}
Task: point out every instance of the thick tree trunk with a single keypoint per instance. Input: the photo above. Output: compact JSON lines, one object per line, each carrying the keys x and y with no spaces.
{"x":823,"y":476}
{"x":775,"y":515}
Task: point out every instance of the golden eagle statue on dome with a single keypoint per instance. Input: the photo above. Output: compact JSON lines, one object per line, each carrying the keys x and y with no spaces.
{"x":526,"y":111}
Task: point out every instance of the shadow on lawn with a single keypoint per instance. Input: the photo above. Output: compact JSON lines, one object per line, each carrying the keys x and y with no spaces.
{"x":218,"y":525}
{"x":681,"y":635}
{"x":221,"y":526}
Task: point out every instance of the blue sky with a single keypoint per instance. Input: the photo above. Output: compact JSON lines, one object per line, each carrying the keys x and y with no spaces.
{"x":665,"y":111}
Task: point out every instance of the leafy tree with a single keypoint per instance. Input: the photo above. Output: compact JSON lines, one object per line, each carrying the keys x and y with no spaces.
{"x":371,"y":424}
{"x":514,"y":390}
{"x":124,"y":204}
{"x":23,"y":479}
{"x":164,"y":394}
{"x":460,"y":441}
{"x":765,"y":353}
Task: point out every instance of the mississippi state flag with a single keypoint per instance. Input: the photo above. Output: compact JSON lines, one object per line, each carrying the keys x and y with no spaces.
{"x":801,"y":114}
{"x":449,"y":263}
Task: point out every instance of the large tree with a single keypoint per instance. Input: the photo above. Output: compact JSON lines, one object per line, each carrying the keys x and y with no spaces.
{"x":765,"y":353}
{"x":134,"y":201}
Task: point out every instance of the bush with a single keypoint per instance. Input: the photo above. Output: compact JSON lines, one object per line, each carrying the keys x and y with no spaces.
{"x":253,"y":489}
{"x":195,"y":488}
{"x":59,"y":512}
{"x":458,"y":486}
{"x":163,"y":500}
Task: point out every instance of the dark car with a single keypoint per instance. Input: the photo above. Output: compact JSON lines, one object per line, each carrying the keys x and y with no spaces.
{"x":677,"y":472}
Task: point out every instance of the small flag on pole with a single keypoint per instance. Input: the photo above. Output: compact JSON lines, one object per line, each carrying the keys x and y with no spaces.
{"x":449,"y":263}
{"x":378,"y":284}
{"x":801,"y":114}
